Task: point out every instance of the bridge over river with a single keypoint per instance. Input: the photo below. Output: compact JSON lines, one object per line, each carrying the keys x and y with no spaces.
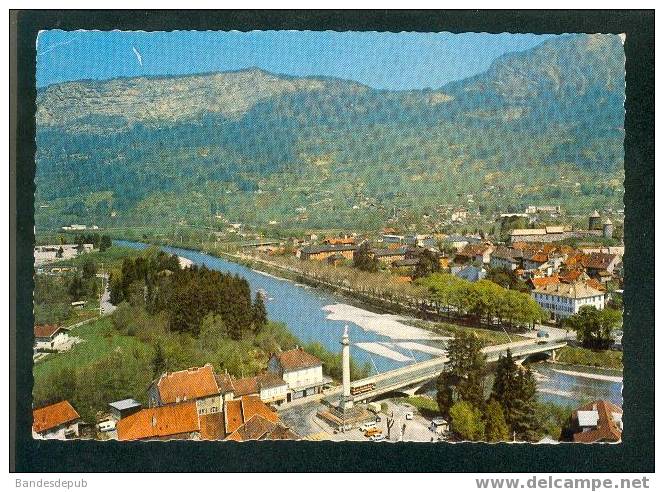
{"x":410,"y":378}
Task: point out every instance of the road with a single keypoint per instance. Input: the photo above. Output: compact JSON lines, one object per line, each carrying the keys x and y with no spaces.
{"x":105,"y":306}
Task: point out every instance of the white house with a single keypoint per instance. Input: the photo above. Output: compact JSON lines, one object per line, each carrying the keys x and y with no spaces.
{"x":57,"y":421}
{"x":50,"y":337}
{"x":563,"y":300}
{"x":300,"y":370}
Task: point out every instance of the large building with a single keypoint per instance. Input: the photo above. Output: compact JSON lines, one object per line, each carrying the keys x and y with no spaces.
{"x":302,"y":372}
{"x":325,"y":251}
{"x":563,"y":300}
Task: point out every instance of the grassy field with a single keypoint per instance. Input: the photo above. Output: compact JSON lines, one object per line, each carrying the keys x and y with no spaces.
{"x":610,"y":359}
{"x":427,"y":407}
{"x":98,"y":340}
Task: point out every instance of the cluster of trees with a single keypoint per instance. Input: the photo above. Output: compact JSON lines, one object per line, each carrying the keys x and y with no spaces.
{"x":364,"y":260}
{"x":187,"y":296}
{"x":100,"y":242}
{"x":507,"y":279}
{"x":510,"y":411}
{"x":484,"y":300}
{"x":53,"y":294}
{"x":332,"y":363}
{"x":594,"y":328}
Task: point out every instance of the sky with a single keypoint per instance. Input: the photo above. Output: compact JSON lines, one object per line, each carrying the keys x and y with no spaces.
{"x":395,"y":61}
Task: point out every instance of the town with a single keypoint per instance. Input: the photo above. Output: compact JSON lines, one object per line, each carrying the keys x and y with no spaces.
{"x":491,"y":314}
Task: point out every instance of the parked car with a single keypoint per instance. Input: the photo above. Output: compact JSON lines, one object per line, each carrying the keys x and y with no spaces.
{"x":372,"y":432}
{"x":379,"y":418}
{"x":409,"y":416}
{"x":378,"y":437}
{"x":106,"y":426}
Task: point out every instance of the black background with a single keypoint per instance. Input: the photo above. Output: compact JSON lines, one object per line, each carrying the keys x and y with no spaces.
{"x":634,"y":454}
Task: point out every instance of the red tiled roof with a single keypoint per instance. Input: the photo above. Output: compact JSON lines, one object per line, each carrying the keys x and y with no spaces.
{"x":607,"y":428}
{"x":245,"y":386}
{"x":212,"y":426}
{"x":539,"y":282}
{"x":571,"y":276}
{"x":224,"y":383}
{"x":252,"y":405}
{"x":239,"y":412}
{"x":539,"y":257}
{"x":269,"y":380}
{"x":297,"y":359}
{"x":159,"y":422}
{"x":598,"y":261}
{"x":189,"y":384}
{"x":595,"y":284}
{"x":258,"y":427}
{"x":46,"y":331}
{"x":255,"y":428}
{"x":52,"y":416}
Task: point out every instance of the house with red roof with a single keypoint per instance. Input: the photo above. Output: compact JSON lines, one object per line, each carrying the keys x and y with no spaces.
{"x":177,"y":421}
{"x":50,"y":337}
{"x":57,"y":421}
{"x":197,"y":384}
{"x":598,"y":421}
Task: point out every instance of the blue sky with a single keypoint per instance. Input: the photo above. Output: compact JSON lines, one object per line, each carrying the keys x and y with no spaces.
{"x":380,"y":60}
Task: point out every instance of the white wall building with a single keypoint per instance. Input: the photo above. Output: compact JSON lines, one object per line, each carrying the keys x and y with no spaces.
{"x":300,"y":370}
{"x":563,"y":300}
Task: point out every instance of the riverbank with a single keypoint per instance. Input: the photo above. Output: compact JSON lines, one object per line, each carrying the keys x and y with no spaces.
{"x":578,"y":356}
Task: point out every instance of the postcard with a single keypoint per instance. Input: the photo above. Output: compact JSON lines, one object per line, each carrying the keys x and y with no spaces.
{"x":329,"y":236}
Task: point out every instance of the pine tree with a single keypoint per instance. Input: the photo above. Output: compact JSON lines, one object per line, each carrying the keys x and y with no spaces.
{"x":463,"y":376}
{"x":158,"y":361}
{"x":364,"y":260}
{"x":259,"y":313}
{"x":496,"y":428}
{"x":505,"y":386}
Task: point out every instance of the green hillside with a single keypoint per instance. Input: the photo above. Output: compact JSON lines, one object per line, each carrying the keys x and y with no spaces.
{"x":539,"y":126}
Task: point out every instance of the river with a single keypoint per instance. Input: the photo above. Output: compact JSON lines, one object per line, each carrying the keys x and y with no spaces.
{"x":383,"y":341}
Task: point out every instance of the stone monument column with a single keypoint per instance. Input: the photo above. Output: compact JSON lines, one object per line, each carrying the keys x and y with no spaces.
{"x":346,"y":400}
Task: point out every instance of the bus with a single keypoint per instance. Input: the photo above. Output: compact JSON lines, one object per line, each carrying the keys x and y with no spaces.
{"x":363,"y":386}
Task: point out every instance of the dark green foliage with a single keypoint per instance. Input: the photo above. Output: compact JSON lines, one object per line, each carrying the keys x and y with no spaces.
{"x":158,"y":361}
{"x":427,"y":263}
{"x":495,"y":426}
{"x":89,"y":268}
{"x":259,"y":313}
{"x":364,"y":260}
{"x":507,"y":279}
{"x":594,"y":327}
{"x":466,"y":421}
{"x":514,"y":388}
{"x":463,"y":376}
{"x":332,"y":363}
{"x":76,"y":288}
{"x":105,"y":243}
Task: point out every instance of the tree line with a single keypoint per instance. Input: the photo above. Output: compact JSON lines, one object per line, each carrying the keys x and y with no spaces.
{"x":100,"y":242}
{"x":484,"y":300}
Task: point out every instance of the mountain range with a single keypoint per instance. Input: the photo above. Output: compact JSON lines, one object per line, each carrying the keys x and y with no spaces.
{"x":540,"y":125}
